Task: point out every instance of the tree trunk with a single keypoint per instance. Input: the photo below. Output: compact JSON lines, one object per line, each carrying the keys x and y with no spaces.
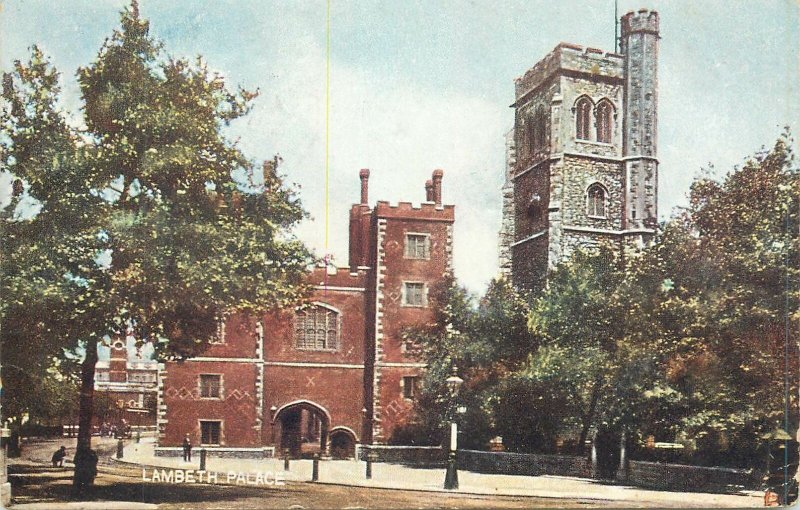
{"x":85,"y":412}
{"x":586,"y":419}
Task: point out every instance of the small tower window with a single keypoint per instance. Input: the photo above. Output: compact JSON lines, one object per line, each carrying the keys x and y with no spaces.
{"x":596,"y":198}
{"x":410,"y":387}
{"x":210,"y":431}
{"x":583,"y":118}
{"x":604,"y":120}
{"x":418,"y":246}
{"x":414,"y":294}
{"x":534,"y":206}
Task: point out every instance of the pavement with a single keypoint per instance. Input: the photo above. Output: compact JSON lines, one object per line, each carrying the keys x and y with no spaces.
{"x":393,"y":476}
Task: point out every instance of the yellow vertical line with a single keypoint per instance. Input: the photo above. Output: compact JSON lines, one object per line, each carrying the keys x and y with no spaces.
{"x":327,"y":115}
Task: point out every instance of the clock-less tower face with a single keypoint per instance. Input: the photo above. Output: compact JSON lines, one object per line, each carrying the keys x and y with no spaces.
{"x":118,"y":364}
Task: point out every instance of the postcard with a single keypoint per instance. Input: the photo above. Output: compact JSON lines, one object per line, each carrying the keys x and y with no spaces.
{"x":451,"y":254}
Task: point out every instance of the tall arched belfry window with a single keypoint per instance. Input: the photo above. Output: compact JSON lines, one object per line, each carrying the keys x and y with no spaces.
{"x":536,"y":132}
{"x":316,"y":328}
{"x":604,"y":120}
{"x":583,"y":118}
{"x":596,"y":200}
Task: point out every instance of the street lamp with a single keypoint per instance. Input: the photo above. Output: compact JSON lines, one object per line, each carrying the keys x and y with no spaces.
{"x":272,"y":411}
{"x":454,"y":383}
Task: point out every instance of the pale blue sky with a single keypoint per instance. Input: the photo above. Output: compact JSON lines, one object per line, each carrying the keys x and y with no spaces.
{"x":418,"y":85}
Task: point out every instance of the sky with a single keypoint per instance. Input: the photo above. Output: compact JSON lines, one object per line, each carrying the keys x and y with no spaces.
{"x":420,"y":85}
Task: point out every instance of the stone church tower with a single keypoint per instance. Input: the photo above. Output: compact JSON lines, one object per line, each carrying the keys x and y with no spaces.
{"x":581,"y":165}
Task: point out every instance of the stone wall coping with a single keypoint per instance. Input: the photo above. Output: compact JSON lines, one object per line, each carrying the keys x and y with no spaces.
{"x":400,"y":447}
{"x":647,"y":463}
{"x":216,"y":448}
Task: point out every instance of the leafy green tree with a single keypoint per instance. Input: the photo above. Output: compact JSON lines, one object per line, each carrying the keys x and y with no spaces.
{"x":485,"y":341}
{"x":736,"y":275}
{"x":164,"y":225}
{"x":608,"y":330}
{"x":42,"y":244}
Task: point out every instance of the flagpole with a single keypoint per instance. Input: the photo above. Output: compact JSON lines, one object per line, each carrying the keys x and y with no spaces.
{"x":616,"y":27}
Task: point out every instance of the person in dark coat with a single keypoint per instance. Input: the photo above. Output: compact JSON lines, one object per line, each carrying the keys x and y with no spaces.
{"x":58,"y":457}
{"x":187,"y":449}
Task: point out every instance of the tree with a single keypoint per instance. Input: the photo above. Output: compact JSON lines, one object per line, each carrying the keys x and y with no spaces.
{"x":580,"y":316}
{"x":737,"y":272}
{"x":173,"y":228}
{"x":485,"y":341}
{"x":40,"y":243}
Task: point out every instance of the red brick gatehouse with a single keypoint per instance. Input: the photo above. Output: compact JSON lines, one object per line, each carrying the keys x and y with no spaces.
{"x":125,"y":388}
{"x":333,"y":373}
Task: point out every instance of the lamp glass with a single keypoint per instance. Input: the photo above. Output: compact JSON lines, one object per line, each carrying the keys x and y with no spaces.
{"x":454,"y":383}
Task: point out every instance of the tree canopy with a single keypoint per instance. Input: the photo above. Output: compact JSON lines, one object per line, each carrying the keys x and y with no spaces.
{"x":692,"y":338}
{"x":139,"y":216}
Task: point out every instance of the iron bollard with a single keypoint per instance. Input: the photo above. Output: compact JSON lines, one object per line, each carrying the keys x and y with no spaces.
{"x":286,"y":460}
{"x":371,"y":457}
{"x":315,"y":468}
{"x":119,"y":449}
{"x":202,"y":459}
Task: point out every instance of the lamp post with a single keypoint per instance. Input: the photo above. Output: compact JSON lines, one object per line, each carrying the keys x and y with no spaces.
{"x":454,"y":383}
{"x":272,"y":411}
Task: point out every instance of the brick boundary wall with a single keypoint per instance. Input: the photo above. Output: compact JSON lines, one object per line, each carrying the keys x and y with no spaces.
{"x":684,"y":477}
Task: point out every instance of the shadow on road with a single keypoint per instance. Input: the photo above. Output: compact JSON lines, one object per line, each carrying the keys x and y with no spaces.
{"x":32,"y":484}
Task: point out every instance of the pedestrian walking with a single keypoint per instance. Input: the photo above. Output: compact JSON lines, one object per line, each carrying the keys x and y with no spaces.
{"x":187,"y":449}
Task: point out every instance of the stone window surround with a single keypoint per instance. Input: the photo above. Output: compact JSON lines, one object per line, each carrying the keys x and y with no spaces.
{"x":606,"y":199}
{"x":219,"y":338}
{"x":404,"y":296}
{"x":338,"y":339}
{"x":612,"y":117}
{"x":579,"y":109}
{"x":427,"y":237}
{"x":220,"y":388}
{"x":536,"y":133}
{"x":592,"y":127}
{"x":409,"y":392}
{"x":221,"y":428}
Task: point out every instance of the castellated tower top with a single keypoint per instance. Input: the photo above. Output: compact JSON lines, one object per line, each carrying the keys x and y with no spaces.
{"x":642,"y":21}
{"x":583,"y":155}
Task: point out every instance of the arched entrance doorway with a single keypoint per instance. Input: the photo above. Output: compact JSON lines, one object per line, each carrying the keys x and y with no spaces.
{"x":303,"y":429}
{"x":343,"y":443}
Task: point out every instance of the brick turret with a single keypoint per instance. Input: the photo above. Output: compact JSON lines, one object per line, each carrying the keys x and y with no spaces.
{"x":118,"y":364}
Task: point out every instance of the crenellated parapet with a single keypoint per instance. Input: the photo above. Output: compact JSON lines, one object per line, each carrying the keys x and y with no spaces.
{"x":343,"y":277}
{"x":569,"y":58}
{"x":408,"y":210}
{"x":642,"y":21}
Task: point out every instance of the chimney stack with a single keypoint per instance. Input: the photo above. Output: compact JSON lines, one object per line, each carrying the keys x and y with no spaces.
{"x":364,"y":174}
{"x":429,"y":190}
{"x":437,"y":186}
